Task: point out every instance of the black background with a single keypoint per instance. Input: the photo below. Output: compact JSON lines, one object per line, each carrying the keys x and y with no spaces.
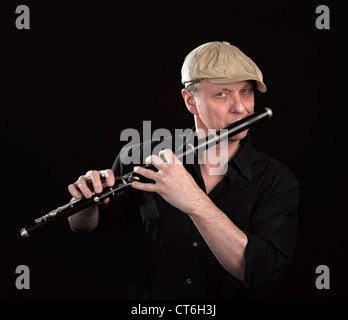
{"x":86,"y":71}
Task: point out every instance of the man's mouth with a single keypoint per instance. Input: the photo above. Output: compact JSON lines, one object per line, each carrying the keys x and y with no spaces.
{"x":231,"y":123}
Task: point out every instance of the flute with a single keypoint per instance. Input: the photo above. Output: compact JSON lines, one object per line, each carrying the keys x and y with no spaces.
{"x":124,"y":181}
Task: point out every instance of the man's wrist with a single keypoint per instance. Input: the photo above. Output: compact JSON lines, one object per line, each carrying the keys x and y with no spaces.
{"x":200,"y":205}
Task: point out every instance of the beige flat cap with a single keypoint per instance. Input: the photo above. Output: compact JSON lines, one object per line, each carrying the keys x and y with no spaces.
{"x":220,"y":62}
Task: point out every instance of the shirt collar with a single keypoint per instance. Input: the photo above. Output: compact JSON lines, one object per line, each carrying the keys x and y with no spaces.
{"x":242,"y":160}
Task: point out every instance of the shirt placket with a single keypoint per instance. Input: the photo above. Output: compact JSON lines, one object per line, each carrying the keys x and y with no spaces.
{"x":192,"y":262}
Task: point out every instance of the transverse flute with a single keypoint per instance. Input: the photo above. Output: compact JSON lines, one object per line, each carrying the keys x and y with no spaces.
{"x":203,"y":144}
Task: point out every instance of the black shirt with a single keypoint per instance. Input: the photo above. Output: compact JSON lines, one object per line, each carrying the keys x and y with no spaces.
{"x":172,"y":260}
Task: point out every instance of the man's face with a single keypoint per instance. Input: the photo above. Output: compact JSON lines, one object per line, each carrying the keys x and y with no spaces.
{"x":220,"y":105}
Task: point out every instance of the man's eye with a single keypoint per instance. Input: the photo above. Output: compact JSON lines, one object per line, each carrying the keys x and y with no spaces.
{"x":246,"y":90}
{"x":221,"y":94}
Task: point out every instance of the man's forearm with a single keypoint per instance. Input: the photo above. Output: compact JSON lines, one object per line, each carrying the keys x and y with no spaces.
{"x":223,"y":237}
{"x":85,"y":220}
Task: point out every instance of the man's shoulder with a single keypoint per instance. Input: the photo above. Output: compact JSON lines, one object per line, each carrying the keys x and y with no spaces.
{"x":135,"y":154}
{"x":138,"y":149}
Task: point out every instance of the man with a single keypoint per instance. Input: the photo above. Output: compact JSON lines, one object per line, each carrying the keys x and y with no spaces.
{"x":201,"y":235}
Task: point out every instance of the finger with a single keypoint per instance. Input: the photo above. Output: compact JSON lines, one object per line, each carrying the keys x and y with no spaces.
{"x":109,"y":176}
{"x":148,"y":187}
{"x":81,"y":184}
{"x":74,"y":191}
{"x":105,"y":201}
{"x":169,"y":156}
{"x":147,"y":173}
{"x":155,"y":161}
{"x":94,"y":176}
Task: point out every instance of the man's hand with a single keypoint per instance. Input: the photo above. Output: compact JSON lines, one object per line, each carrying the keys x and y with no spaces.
{"x":172,"y":181}
{"x":93,"y":180}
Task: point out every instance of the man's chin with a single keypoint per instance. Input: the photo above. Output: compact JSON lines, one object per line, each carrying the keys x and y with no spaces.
{"x":239,"y":136}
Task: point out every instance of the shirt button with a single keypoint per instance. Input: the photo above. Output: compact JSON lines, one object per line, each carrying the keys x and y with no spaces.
{"x":194,"y":244}
{"x":188,"y":280}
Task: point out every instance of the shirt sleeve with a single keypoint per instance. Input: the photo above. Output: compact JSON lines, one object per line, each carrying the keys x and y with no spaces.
{"x":272,"y":234}
{"x":120,"y":210}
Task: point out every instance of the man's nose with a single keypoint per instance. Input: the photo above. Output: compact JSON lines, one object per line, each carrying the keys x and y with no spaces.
{"x":236,"y":104}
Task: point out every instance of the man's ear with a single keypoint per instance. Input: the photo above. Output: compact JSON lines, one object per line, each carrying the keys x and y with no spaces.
{"x":190,"y":101}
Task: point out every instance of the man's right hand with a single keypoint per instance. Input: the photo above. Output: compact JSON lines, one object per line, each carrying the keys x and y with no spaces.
{"x":92,"y":181}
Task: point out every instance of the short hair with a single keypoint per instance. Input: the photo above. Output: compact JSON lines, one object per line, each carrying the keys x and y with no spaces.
{"x":192,"y":88}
